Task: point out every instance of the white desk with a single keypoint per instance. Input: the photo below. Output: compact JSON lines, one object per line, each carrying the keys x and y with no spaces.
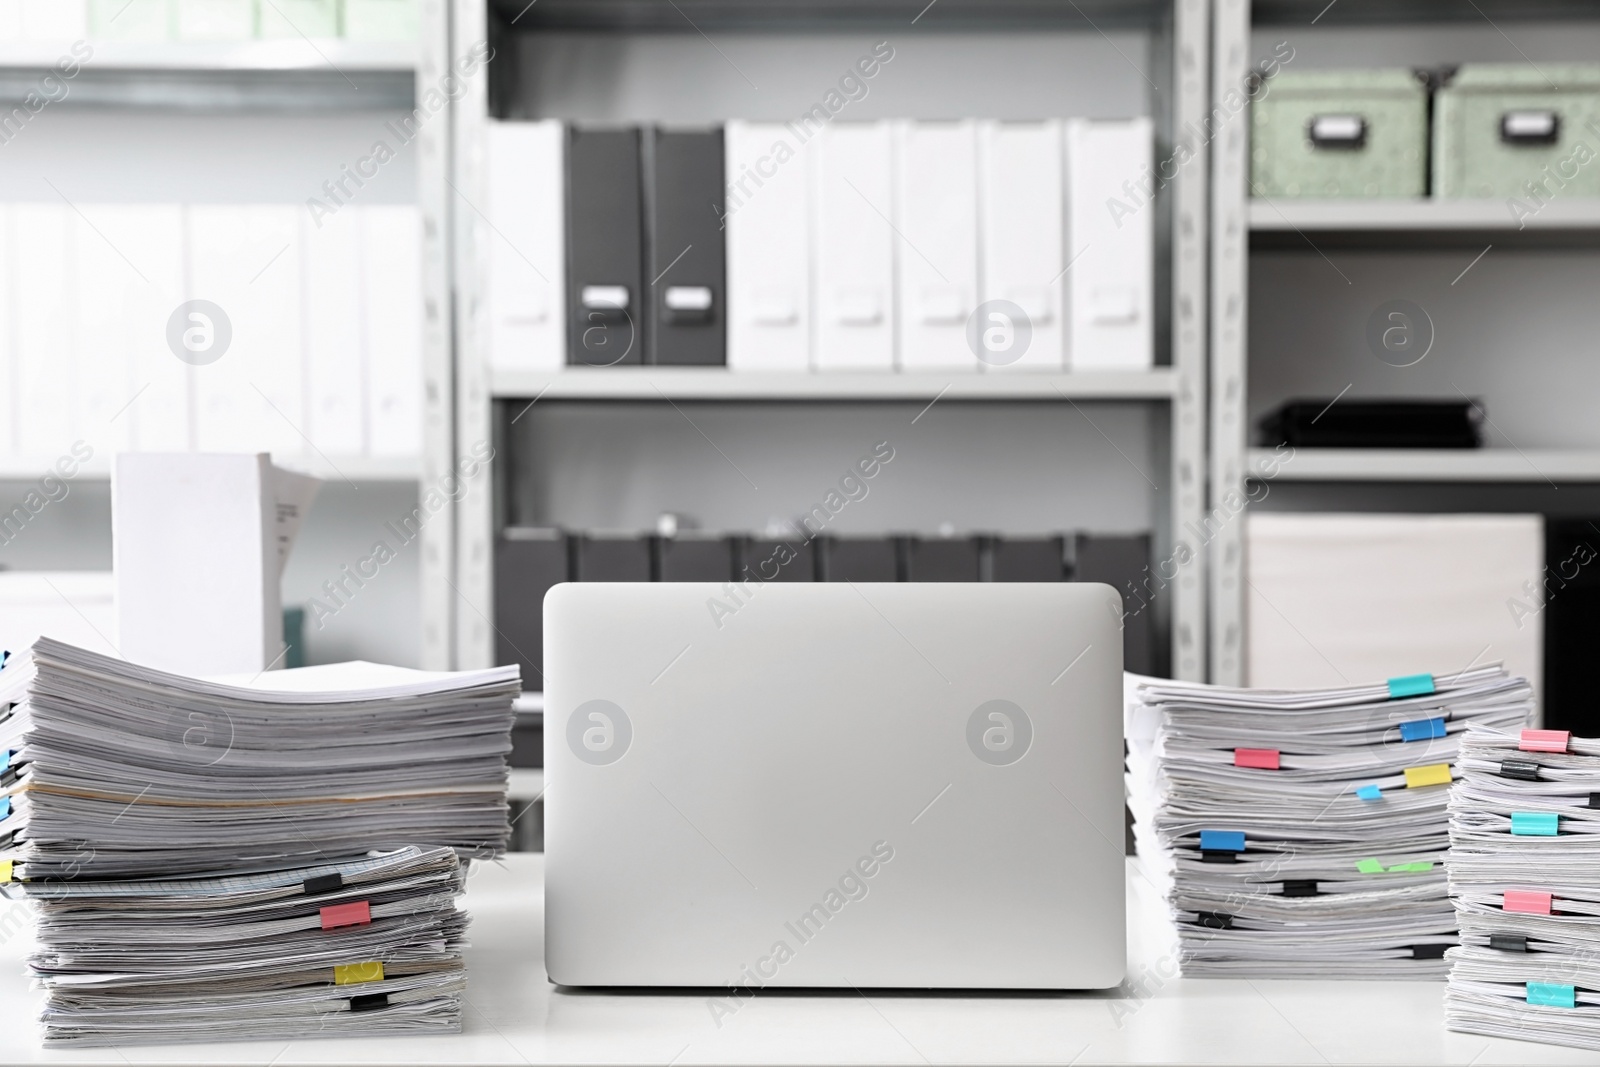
{"x":515,"y":1017}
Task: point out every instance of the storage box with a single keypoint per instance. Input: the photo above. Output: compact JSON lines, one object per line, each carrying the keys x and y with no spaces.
{"x":1351,"y":133}
{"x":1508,"y":130}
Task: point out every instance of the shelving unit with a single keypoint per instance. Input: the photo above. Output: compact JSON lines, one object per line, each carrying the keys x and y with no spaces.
{"x":1163,"y":74}
{"x":1294,"y":281}
{"x":257,"y":121}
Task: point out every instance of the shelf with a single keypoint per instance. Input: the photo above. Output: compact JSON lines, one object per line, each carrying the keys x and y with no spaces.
{"x":1539,"y":466}
{"x":355,"y":468}
{"x":1300,"y":13}
{"x":290,"y":74}
{"x":1288,"y":221}
{"x":716,"y":383}
{"x":725,"y":15}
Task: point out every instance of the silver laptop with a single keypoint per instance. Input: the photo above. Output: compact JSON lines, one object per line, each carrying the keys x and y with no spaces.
{"x":802,"y":785}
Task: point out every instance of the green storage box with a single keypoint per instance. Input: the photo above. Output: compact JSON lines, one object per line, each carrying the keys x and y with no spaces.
{"x":1504,"y":130}
{"x":1340,"y":133}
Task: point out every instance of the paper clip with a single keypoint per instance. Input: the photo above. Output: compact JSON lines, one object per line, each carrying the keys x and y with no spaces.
{"x":1544,"y":740}
{"x":1433,"y":774}
{"x":1369,"y":792}
{"x":1222,"y":840}
{"x":357,"y":973}
{"x":1527,"y":902}
{"x":1552,"y":995}
{"x":1534,"y":823}
{"x":1410,"y":685}
{"x":1263,"y":758}
{"x":356,"y":913}
{"x":1422,"y":729}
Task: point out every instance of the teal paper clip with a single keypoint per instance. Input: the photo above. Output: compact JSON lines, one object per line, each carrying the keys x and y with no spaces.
{"x":1410,"y":685}
{"x":1534,"y":823}
{"x":1421,"y":729}
{"x":1552,"y":995}
{"x":1222,"y":840}
{"x":5,"y":807}
{"x":1369,"y":792}
{"x":5,"y":759}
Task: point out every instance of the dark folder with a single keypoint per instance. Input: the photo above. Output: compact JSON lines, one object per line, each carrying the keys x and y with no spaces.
{"x":684,"y":259}
{"x":694,"y":557}
{"x":771,"y":559}
{"x":945,"y":559}
{"x":1571,"y":614}
{"x":527,"y":562}
{"x":613,"y":557}
{"x":1122,"y":562}
{"x":605,"y":320}
{"x":860,"y":559}
{"x":1028,"y":559}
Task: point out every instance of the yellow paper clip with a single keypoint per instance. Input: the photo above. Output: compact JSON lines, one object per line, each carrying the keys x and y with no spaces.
{"x":1433,"y":774}
{"x":356,"y":973}
{"x":5,"y":871}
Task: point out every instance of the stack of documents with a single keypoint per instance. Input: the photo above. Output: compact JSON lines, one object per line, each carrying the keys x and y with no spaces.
{"x":114,"y":770}
{"x":1301,"y":833}
{"x":367,"y":947}
{"x":1524,"y":867}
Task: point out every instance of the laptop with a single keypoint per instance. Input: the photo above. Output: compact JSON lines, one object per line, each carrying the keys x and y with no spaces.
{"x":777,"y":785}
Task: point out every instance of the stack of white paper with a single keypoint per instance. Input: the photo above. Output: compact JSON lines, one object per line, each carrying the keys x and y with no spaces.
{"x":365,"y":947}
{"x":1524,"y":867}
{"x":117,"y":770}
{"x":1302,"y":832}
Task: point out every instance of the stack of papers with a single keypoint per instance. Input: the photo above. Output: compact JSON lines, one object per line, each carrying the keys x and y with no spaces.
{"x":1301,"y":833}
{"x":1524,"y":869}
{"x":115,"y":770}
{"x":362,"y":948}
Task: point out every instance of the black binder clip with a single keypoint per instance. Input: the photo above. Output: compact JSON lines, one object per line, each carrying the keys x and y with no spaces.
{"x":1508,"y":942}
{"x":1215,"y":920}
{"x":1525,"y":769}
{"x":369,"y":1002}
{"x":1300,"y":887}
{"x":322,"y":883}
{"x":1213,"y":856}
{"x":1428,"y":952}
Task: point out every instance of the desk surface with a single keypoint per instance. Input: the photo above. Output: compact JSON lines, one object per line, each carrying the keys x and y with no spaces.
{"x":514,"y":1016}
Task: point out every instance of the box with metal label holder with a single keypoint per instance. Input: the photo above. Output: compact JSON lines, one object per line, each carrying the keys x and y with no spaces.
{"x":1350,"y":133}
{"x":1515,"y":131}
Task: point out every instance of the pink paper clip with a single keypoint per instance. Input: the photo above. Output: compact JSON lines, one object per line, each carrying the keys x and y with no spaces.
{"x":1264,"y":758}
{"x":1527,"y":901}
{"x":1544,"y":740}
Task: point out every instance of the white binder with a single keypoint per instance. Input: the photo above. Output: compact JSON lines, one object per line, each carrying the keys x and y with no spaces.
{"x":393,"y":276}
{"x":46,"y":327}
{"x":161,"y":418}
{"x":105,"y":293}
{"x":767,"y":223}
{"x":524,"y":249}
{"x":936,"y":212}
{"x":1023,"y":230}
{"x":246,"y":260}
{"x":335,"y":345}
{"x":854,"y":248}
{"x":1109,"y":287}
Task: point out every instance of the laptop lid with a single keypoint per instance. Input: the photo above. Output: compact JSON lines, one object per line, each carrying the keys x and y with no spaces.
{"x":873,"y":785}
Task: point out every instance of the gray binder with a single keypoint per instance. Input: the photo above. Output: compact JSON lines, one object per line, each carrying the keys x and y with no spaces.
{"x":1028,"y":559}
{"x":860,"y":559}
{"x":944,"y":559}
{"x":609,"y":556}
{"x":694,"y":557}
{"x":684,"y":251}
{"x":1122,"y":562}
{"x":527,"y":562}
{"x":761,"y":557}
{"x":605,"y":320}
